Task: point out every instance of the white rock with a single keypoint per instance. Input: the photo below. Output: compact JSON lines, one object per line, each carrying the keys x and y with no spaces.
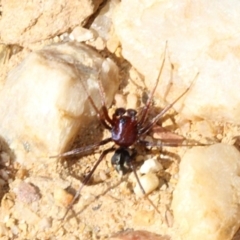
{"x":149,"y":182}
{"x":45,"y":223}
{"x":81,"y":34}
{"x":120,"y":101}
{"x":42,"y":20}
{"x":43,"y":103}
{"x":206,"y":201}
{"x":199,"y":40}
{"x":150,"y":165}
{"x":132,"y":101}
{"x":103,"y":25}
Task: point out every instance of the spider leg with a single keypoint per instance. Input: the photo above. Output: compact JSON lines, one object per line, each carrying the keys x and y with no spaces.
{"x":104,"y":105}
{"x":106,"y":118}
{"x":148,"y":127}
{"x":141,"y":187}
{"x":88,"y":177}
{"x":83,"y":149}
{"x":145,"y":110}
{"x":170,"y":143}
{"x":103,"y":117}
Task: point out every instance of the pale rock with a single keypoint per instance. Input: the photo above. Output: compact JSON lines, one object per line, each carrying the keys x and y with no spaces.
{"x":120,"y":101}
{"x":81,"y":34}
{"x":24,"y":22}
{"x":149,"y":182}
{"x":150,"y":165}
{"x":206,"y":201}
{"x":43,"y":102}
{"x":132,"y":101}
{"x":202,"y":38}
{"x":45,"y":223}
{"x":25,"y":192}
{"x":103,"y":25}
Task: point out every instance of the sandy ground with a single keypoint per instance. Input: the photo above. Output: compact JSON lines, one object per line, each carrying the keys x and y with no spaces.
{"x":108,"y":205}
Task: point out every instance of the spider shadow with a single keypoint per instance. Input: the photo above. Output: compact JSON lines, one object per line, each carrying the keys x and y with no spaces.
{"x":7,"y":166}
{"x":71,"y":164}
{"x":75,"y":214}
{"x":166,"y":164}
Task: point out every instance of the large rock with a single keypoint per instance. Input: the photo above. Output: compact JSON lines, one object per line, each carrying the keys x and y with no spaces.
{"x":206,"y":201}
{"x":25,"y":22}
{"x":43,"y":103}
{"x":202,"y":37}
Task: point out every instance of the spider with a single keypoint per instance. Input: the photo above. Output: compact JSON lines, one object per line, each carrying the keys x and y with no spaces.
{"x":128,"y":129}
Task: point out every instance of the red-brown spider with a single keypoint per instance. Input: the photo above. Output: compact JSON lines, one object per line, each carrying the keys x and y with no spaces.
{"x":128,"y":129}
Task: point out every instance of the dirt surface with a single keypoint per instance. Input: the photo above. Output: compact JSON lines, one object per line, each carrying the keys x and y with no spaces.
{"x":108,"y":205}
{"x":32,"y":200}
{"x":33,"y":207}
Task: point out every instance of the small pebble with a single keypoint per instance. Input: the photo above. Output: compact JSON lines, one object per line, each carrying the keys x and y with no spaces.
{"x":64,"y":37}
{"x":151,"y":165}
{"x":219,"y":136}
{"x":56,"y":39}
{"x":120,"y":100}
{"x":99,"y":43}
{"x":132,"y":101}
{"x":163,"y":187}
{"x":113,"y":43}
{"x":26,"y":192}
{"x":45,"y":223}
{"x":103,"y":175}
{"x":62,"y":197}
{"x":22,"y":173}
{"x":149,"y":183}
{"x":81,"y":34}
{"x":14,"y":230}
